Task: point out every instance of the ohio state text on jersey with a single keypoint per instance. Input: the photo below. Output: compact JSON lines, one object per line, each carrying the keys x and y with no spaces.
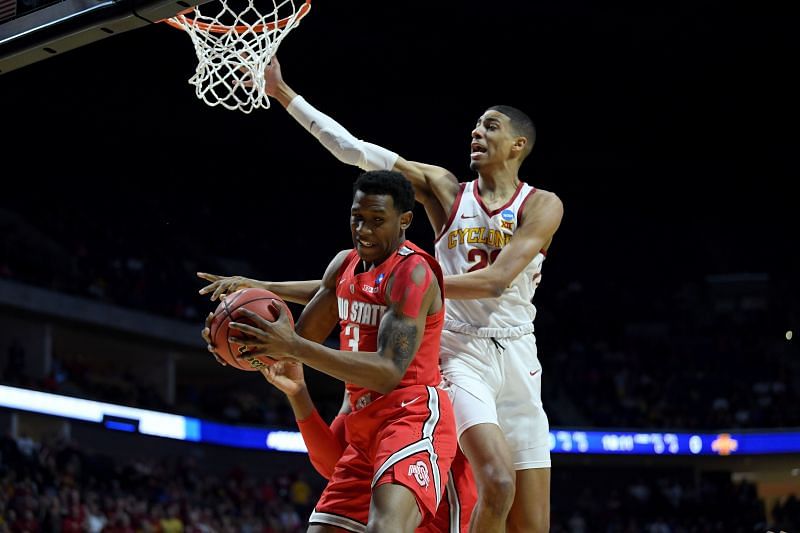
{"x":362,"y":305}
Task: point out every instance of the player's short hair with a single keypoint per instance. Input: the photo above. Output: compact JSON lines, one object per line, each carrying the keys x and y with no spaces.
{"x":388,"y":182}
{"x":521,"y":123}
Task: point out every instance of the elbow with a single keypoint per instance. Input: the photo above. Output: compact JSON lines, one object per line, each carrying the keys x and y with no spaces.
{"x":496,"y":288}
{"x":388,"y":382}
{"x":387,"y":386}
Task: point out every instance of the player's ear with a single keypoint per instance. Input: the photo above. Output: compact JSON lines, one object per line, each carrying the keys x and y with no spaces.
{"x":520,"y":143}
{"x":405,"y":219}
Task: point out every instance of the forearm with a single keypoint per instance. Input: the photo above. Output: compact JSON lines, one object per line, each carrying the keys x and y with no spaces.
{"x":301,"y":403}
{"x":334,"y":137}
{"x":284,"y":94}
{"x":325,"y":444}
{"x":364,"y":369}
{"x":471,"y":286}
{"x":299,"y":292}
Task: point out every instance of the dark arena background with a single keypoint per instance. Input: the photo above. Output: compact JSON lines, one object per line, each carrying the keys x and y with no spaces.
{"x":668,"y":309}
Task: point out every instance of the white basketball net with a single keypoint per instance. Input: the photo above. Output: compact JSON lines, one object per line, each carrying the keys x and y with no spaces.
{"x":234,"y":46}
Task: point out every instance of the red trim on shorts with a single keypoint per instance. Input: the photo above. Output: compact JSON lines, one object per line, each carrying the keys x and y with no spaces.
{"x":453,"y":212}
{"x":476,"y":193}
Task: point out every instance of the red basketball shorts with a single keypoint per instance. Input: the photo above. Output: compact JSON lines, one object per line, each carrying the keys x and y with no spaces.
{"x":460,"y":496}
{"x":406,"y":437}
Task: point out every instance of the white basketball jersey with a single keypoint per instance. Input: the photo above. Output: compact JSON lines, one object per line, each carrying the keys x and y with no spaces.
{"x":471,"y":240}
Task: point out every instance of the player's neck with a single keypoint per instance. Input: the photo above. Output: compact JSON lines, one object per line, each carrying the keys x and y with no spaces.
{"x":366,"y":266}
{"x":501,"y":185}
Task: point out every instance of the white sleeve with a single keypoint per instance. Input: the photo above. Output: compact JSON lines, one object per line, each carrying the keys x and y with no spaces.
{"x":338,"y":141}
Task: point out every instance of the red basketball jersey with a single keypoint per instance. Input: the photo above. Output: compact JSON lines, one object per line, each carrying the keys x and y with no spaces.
{"x":362,"y":304}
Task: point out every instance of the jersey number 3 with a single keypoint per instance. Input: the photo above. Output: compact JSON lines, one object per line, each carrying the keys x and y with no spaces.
{"x":351,"y":330}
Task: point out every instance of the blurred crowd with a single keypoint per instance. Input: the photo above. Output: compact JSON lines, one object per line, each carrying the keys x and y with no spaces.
{"x":706,"y":354}
{"x":627,"y":500}
{"x":59,"y":486}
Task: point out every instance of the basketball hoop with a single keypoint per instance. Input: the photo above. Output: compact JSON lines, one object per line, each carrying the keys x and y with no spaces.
{"x":235,"y":45}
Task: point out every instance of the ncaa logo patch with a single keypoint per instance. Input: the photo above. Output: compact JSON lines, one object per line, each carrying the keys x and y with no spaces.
{"x":420,"y":473}
{"x":507,"y":215}
{"x":379,"y":278}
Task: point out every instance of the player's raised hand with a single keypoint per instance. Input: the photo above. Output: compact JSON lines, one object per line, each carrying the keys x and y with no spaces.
{"x":287,"y":376}
{"x":221,"y":285}
{"x":273,"y":339}
{"x":206,"y":334}
{"x":273,"y":77}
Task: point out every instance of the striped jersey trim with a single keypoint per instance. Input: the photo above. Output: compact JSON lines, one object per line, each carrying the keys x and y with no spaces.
{"x":338,"y":521}
{"x":423,"y":445}
{"x":455,"y":505}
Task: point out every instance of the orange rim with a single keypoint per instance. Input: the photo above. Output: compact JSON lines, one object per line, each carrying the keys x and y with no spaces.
{"x":222,"y":28}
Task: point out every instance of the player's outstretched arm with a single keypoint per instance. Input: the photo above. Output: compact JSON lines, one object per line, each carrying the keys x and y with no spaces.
{"x":540,"y":220}
{"x":325,"y":443}
{"x":435,"y":187}
{"x":411,"y":293}
{"x":299,"y":292}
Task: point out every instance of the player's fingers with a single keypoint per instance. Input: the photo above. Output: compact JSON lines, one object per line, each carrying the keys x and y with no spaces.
{"x":218,"y":291}
{"x":208,"y":277}
{"x":216,"y":356}
{"x":276,"y":309}
{"x":277,"y":312}
{"x":209,"y":318}
{"x":206,"y":334}
{"x":210,"y":287}
{"x":255,"y":317}
{"x":244,"y":328}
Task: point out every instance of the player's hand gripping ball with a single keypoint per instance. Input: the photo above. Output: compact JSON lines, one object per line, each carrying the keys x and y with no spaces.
{"x":258,"y":301}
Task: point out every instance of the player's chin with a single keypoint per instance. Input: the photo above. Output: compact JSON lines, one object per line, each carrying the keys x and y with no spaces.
{"x":367,"y":253}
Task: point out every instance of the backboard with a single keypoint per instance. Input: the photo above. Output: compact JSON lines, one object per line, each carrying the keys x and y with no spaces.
{"x":34,"y":30}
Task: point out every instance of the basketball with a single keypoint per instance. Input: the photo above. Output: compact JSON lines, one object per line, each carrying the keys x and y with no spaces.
{"x":257,"y":301}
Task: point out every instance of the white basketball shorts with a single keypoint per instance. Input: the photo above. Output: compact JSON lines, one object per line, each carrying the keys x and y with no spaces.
{"x":499,"y":384}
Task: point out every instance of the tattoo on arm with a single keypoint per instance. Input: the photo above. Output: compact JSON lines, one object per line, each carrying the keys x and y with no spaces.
{"x":398,"y":339}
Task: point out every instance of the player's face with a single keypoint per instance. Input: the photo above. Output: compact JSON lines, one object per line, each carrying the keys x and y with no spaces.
{"x":492,"y":140}
{"x":377,"y":226}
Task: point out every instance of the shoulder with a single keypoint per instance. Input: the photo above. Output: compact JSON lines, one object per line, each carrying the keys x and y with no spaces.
{"x":419,"y":256}
{"x":335,"y":267}
{"x":413,"y":268}
{"x":413,"y":262}
{"x":542,"y":203}
{"x":341,"y":258}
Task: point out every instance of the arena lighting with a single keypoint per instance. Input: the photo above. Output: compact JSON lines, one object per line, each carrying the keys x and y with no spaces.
{"x":606,"y":442}
{"x":150,"y":422}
